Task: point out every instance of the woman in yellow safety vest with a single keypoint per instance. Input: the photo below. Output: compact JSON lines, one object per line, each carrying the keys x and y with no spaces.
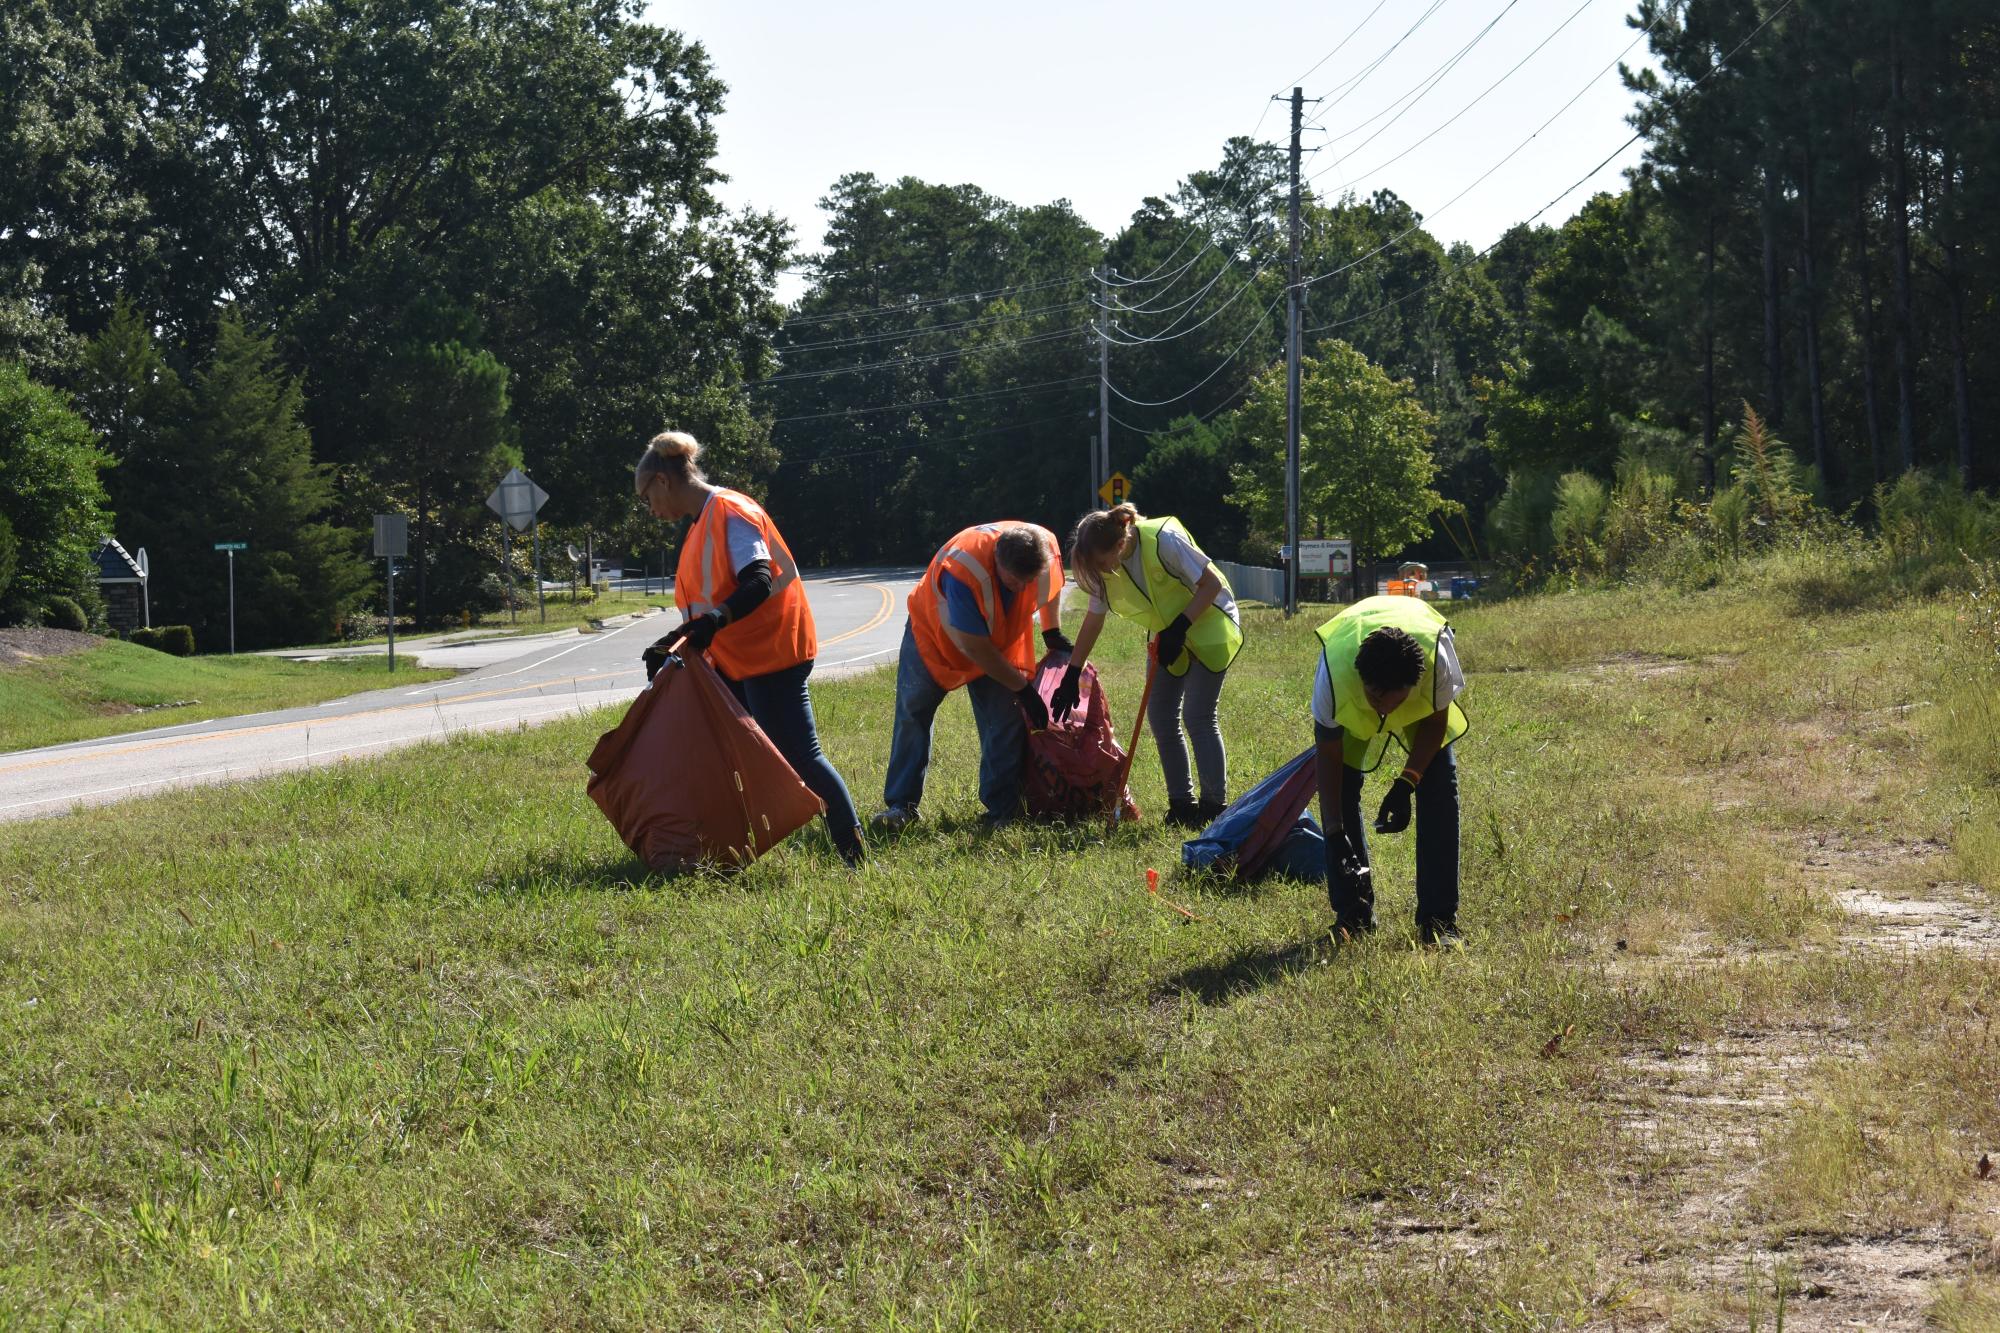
{"x":742,"y":605}
{"x":1149,"y":570}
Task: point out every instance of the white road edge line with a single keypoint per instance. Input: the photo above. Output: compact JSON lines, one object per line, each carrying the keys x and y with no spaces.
{"x":271,"y":770}
{"x":586,"y":641}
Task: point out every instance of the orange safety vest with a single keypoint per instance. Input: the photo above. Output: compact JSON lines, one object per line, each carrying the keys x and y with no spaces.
{"x":778,"y":634}
{"x":970,"y":557}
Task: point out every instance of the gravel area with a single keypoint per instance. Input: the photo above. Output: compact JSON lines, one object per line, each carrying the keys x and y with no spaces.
{"x":25,"y":645}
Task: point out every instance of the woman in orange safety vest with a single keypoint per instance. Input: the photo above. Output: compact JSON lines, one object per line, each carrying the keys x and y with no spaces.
{"x":972,"y":623}
{"x":742,"y":604}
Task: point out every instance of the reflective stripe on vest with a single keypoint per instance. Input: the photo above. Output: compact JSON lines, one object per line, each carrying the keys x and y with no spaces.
{"x":780,"y":633}
{"x":972,"y":557}
{"x":980,"y":581}
{"x":1215,"y":639}
{"x":1365,"y":734}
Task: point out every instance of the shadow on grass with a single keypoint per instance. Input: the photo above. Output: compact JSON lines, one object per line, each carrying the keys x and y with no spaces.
{"x":1217,"y":983}
{"x":562,"y":875}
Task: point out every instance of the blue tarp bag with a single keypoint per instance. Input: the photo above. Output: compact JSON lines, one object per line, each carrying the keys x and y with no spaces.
{"x":1265,"y":831}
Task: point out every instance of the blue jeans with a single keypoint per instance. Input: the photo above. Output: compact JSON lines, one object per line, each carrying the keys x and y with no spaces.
{"x":1003,"y":736}
{"x":1437,"y":836}
{"x":781,"y":704}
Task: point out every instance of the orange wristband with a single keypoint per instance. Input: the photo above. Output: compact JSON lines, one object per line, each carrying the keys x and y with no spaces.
{"x":1414,"y":776}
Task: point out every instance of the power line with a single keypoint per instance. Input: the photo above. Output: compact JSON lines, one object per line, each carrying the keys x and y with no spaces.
{"x":1425,"y":86}
{"x":1381,"y":166}
{"x":1152,"y":278}
{"x":1353,"y":85}
{"x":1339,"y":46}
{"x":923,"y":445}
{"x":909,"y":307}
{"x":1484,"y":175}
{"x":1563,"y":194}
{"x":976,"y":396}
{"x":979,"y":322}
{"x":1168,"y":335}
{"x":1163,"y":402}
{"x":927,"y":359}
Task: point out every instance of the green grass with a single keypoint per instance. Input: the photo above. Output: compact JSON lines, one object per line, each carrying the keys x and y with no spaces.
{"x":379,"y":1046}
{"x":119,"y":687}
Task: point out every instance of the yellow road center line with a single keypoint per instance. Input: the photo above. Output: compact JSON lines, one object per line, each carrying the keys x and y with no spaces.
{"x":880,"y":617}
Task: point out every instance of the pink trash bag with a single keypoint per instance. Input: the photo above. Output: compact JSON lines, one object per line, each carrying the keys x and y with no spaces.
{"x":1074,"y":766}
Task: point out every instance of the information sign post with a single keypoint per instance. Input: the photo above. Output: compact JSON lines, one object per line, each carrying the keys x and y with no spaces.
{"x":230,"y":549}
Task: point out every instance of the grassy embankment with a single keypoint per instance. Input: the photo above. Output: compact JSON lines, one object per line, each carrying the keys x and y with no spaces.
{"x":378,"y":1046}
{"x":563,"y":613}
{"x":119,"y":687}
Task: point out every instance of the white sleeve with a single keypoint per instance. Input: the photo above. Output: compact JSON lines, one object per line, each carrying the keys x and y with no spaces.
{"x":746,"y":544}
{"x":1323,"y":696}
{"x":1448,"y":677}
{"x":1182,"y":558}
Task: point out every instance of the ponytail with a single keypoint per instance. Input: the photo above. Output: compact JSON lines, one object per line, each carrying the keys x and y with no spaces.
{"x":1099,"y":531}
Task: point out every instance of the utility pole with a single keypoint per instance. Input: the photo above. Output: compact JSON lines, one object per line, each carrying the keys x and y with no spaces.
{"x":1102,"y":472}
{"x":1294,"y":303}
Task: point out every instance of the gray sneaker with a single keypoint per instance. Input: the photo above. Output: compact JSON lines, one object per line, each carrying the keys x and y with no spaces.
{"x":894,"y":819}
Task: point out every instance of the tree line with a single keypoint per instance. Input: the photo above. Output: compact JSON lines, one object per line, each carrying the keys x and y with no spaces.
{"x":295,"y":264}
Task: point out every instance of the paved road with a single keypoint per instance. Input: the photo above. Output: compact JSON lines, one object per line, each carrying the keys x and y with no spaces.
{"x":507,"y":682}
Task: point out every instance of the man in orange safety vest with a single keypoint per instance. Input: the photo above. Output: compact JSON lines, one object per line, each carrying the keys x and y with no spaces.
{"x":972,"y":621}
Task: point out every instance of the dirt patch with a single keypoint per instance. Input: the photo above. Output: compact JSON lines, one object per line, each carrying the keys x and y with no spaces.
{"x":1693,"y":1120}
{"x":1958,"y":921}
{"x":28,"y":645}
{"x":1892,"y":900}
{"x":1639,"y":666}
{"x":1707,"y":1101}
{"x":1885,"y":1284}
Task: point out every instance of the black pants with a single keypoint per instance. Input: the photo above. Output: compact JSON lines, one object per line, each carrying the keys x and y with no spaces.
{"x":1437,"y":837}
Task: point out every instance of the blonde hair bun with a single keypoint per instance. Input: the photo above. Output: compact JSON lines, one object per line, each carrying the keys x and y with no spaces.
{"x":676,"y":444}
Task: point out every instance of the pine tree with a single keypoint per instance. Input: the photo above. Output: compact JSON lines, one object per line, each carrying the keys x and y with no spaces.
{"x":245,"y":472}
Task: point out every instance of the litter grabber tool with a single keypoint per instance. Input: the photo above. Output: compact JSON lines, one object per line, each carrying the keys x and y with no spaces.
{"x":1138,"y":726}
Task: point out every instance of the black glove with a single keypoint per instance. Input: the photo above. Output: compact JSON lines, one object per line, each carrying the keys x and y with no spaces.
{"x":1032,"y":705}
{"x":1057,"y":642}
{"x":1068,"y":693}
{"x":1394,"y":814}
{"x":655,"y":657}
{"x":1173,"y":640}
{"x":1350,"y":888}
{"x":693,"y":636}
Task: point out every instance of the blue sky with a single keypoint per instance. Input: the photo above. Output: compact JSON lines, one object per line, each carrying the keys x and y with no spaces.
{"x":1103,"y":104}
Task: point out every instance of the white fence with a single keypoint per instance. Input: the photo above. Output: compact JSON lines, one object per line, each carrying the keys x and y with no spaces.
{"x":1254,"y":582}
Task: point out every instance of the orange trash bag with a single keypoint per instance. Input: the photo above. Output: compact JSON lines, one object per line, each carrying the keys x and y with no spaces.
{"x":689,"y":780}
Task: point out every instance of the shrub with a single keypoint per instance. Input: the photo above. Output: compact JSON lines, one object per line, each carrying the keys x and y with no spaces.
{"x":1928,"y":519}
{"x":61,"y":612}
{"x":175,"y":639}
{"x":1577,"y":522}
{"x":1518,"y":524}
{"x":1778,"y":488}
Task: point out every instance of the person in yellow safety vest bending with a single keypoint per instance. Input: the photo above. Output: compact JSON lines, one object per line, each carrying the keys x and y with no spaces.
{"x":1150,"y":571}
{"x":971,"y":623}
{"x":1389,"y":674}
{"x":743,"y":606}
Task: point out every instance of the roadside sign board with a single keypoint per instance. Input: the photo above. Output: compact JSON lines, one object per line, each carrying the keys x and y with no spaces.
{"x":392,"y":535}
{"x":232,"y":546}
{"x":517,"y":500}
{"x":1324,"y":559}
{"x":1117,"y":490}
